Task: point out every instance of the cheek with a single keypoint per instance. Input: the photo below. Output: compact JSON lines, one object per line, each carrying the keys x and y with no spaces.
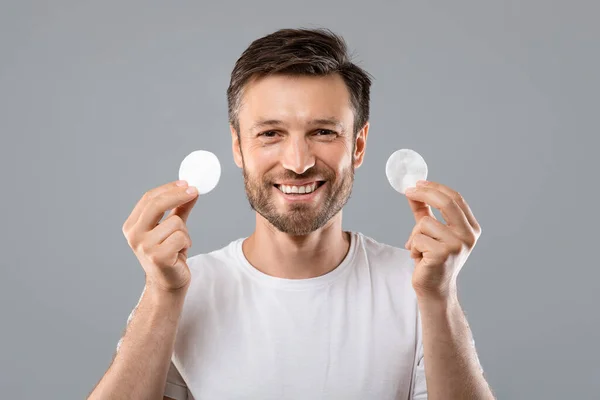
{"x":258,"y":156}
{"x":260,"y":161}
{"x":337,"y":159}
{"x":259,"y":147}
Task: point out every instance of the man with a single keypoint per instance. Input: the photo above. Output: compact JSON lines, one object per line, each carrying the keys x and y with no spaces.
{"x":300,"y":309}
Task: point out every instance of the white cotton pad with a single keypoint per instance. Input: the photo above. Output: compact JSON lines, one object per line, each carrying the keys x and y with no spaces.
{"x":201,"y":169}
{"x":404,"y":168}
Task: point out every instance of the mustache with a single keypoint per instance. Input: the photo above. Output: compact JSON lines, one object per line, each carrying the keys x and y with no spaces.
{"x":308,"y":175}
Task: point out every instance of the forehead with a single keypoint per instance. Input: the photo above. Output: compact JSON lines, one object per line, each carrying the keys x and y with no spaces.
{"x":295,"y":99}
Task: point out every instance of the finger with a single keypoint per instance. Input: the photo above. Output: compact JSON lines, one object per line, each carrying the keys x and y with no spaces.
{"x":175,"y":243}
{"x":422,"y":244}
{"x":158,"y":205}
{"x":420,"y":209}
{"x":184,"y":210}
{"x":163,"y":230}
{"x":168,"y":251}
{"x":141,"y":204}
{"x":450,"y":211}
{"x":414,"y":231}
{"x":433,"y":228}
{"x":458,"y":198}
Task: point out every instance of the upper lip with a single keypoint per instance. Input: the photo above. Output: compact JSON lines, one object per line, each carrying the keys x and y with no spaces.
{"x":302,"y":183}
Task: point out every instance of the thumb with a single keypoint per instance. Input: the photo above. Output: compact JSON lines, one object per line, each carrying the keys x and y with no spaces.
{"x":420,"y":209}
{"x":184,"y":210}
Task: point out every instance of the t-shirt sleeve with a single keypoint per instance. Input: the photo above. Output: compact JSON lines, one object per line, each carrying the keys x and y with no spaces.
{"x":419,"y":389}
{"x":175,"y":387}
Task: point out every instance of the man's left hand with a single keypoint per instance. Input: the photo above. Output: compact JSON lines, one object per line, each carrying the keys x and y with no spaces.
{"x":439,"y":250}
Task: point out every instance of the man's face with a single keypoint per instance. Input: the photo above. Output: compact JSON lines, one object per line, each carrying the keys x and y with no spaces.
{"x":296,"y":135}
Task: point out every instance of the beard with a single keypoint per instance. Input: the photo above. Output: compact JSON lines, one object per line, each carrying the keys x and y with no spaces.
{"x":299,"y":218}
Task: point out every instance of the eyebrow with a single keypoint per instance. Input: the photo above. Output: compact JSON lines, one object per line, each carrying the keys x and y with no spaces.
{"x":319,"y":121}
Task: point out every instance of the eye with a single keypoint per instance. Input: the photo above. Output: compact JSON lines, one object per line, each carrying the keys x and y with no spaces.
{"x":325,"y":132}
{"x":268,"y":134}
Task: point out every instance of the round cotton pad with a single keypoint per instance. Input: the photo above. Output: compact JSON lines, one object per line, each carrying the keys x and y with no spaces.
{"x":201,"y":169}
{"x":404,"y":168}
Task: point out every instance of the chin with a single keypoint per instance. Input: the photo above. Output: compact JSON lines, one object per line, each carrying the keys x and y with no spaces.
{"x":296,"y":228}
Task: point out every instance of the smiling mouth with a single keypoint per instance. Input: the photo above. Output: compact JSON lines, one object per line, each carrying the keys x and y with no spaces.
{"x":293,"y":190}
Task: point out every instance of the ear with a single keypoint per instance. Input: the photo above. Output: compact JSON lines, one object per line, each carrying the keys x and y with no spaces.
{"x":235,"y":147}
{"x":360,"y":145}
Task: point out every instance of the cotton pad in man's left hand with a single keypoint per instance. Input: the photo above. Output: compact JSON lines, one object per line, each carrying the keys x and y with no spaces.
{"x":404,"y":168}
{"x":201,"y":169}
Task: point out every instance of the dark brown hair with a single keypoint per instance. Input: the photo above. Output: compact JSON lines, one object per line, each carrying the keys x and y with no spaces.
{"x":316,"y":52}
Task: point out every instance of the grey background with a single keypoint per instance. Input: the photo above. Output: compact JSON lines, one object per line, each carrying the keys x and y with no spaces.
{"x":100,"y":101}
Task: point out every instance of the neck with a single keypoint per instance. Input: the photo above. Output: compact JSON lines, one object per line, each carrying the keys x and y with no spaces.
{"x":306,"y":256}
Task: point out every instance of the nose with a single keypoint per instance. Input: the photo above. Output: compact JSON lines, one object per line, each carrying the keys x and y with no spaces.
{"x":297,"y":155}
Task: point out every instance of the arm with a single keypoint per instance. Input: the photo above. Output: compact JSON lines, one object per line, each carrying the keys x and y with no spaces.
{"x":452,"y":368}
{"x":139,"y":369}
{"x":440,"y":250}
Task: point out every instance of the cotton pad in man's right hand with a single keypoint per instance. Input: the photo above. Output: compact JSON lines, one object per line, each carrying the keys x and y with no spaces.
{"x":404,"y":168}
{"x":201,"y":169}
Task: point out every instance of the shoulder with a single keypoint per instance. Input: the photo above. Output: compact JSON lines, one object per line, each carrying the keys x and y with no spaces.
{"x":383,"y":253}
{"x":384,"y":258}
{"x":216,"y":267}
{"x":218,"y":258}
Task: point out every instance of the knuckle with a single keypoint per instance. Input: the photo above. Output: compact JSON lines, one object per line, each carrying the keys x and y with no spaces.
{"x":187,"y":240}
{"x":471,"y":239}
{"x":183,"y":236}
{"x":180,"y":239}
{"x":155,"y":196}
{"x":154,"y":258}
{"x":178,"y":222}
{"x":147,"y":196}
{"x":459,"y":198}
{"x":453,"y":248}
{"x":153,"y":201}
{"x":448,"y":203}
{"x":132,"y":241}
{"x":176,"y":236}
{"x":144,"y":248}
{"x":426,"y":220}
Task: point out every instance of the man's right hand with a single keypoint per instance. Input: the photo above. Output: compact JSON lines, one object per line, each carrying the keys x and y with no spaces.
{"x":161,"y":246}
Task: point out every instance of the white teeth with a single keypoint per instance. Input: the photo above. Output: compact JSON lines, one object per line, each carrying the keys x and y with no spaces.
{"x":298,"y":189}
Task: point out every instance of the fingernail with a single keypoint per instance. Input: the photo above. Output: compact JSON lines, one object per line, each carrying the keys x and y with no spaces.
{"x":411,"y":190}
{"x":191,"y":190}
{"x":181,"y":183}
{"x":422,"y":182}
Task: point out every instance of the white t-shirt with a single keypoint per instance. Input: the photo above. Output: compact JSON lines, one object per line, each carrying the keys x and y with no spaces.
{"x":353,"y":333}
